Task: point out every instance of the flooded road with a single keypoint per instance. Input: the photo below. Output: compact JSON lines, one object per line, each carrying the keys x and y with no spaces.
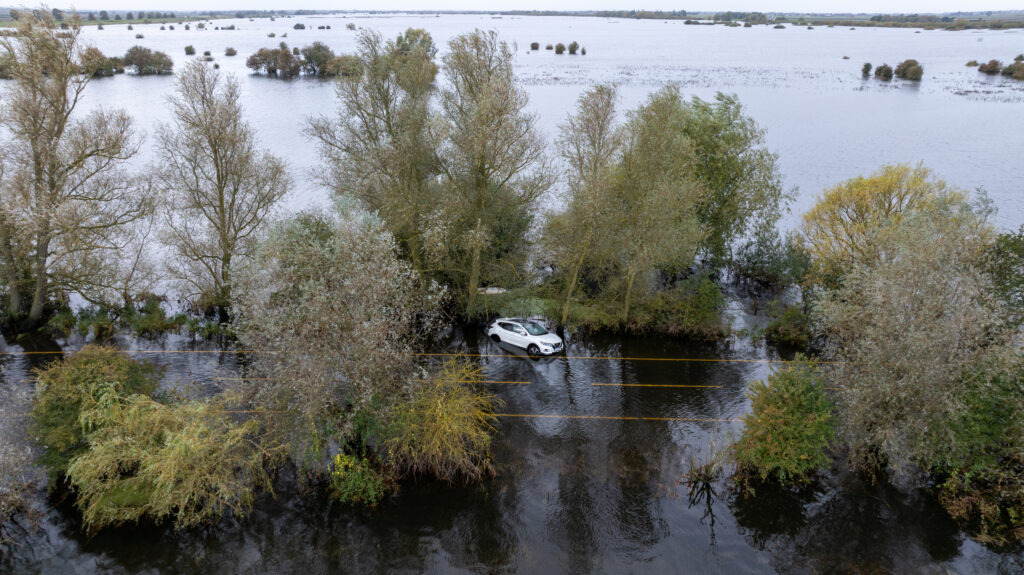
{"x":590,"y":451}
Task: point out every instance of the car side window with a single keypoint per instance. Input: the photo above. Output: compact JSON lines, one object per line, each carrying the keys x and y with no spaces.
{"x":518,"y":330}
{"x":506,"y":326}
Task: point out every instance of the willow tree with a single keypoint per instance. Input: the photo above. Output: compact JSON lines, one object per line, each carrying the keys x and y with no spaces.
{"x":590,"y":142}
{"x":220,"y":187}
{"x":378,"y":148}
{"x":843,"y":227}
{"x":65,"y":197}
{"x":656,"y":200}
{"x":492,"y":163}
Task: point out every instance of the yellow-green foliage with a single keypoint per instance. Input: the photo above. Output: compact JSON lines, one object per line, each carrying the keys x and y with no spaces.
{"x":445,"y":429}
{"x":789,"y":427}
{"x":187,"y":462}
{"x":64,"y":385}
{"x":791,"y":327}
{"x":841,"y":228}
{"x":356,"y":480}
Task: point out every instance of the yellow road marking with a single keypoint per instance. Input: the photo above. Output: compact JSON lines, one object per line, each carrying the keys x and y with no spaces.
{"x":652,"y":385}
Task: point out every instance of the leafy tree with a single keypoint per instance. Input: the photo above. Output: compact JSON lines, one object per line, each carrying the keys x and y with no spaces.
{"x":905,"y":328}
{"x":66,"y":199}
{"x":591,"y":144}
{"x":345,"y":314}
{"x":148,"y":62}
{"x":1005,"y":264}
{"x":315,"y":58}
{"x":841,"y":229}
{"x":740,"y":175}
{"x":656,"y":199}
{"x":378,"y":148}
{"x":189,"y":462}
{"x":104,"y":16}
{"x":789,"y":428}
{"x":219,"y":185}
{"x":493,"y":165}
{"x":63,"y":390}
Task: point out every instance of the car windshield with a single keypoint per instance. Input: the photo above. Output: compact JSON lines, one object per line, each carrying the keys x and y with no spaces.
{"x":534,"y":328}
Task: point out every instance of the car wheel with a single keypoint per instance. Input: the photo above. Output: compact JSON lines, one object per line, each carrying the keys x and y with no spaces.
{"x":533,"y":349}
{"x":495,"y":337}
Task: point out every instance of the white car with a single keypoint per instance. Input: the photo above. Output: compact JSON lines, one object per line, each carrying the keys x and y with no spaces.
{"x":527,"y":334}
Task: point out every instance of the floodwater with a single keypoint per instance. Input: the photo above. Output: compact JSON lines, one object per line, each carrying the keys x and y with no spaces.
{"x":591,"y":450}
{"x":592,"y":446}
{"x":824,"y":120}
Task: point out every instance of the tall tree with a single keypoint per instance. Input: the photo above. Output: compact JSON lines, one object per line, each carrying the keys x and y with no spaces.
{"x":378,"y":149}
{"x":590,"y":142}
{"x":492,"y":162}
{"x":656,"y":198}
{"x":219,"y":185}
{"x":65,"y":197}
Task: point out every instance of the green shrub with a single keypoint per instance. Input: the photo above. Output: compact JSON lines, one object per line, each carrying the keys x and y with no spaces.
{"x":972,"y":64}
{"x":356,"y":480}
{"x":559,"y":48}
{"x":791,"y":328}
{"x":534,"y":45}
{"x":445,"y":429}
{"x":866,"y":69}
{"x":693,"y":308}
{"x":789,"y":428}
{"x":63,"y":388}
{"x":230,"y":52}
{"x":346,"y":66}
{"x":1015,"y":71}
{"x":350,"y":26}
{"x":190,"y":50}
{"x":188,"y":462}
{"x":992,"y":67}
{"x":909,"y":70}
{"x":583,"y":51}
{"x":299,"y":26}
{"x":883,"y":73}
{"x":1018,"y":58}
{"x":573,"y":48}
{"x":779,"y":27}
{"x":61,"y":323}
{"x":549,"y":47}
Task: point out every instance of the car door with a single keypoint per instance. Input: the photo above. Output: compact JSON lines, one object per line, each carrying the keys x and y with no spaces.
{"x":522,"y":339}
{"x":509,"y":333}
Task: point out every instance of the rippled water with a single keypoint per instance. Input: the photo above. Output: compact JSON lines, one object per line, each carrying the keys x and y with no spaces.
{"x":824,"y":120}
{"x":593,"y":445}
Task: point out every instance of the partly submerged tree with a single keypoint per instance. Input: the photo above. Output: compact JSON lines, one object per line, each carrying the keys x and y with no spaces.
{"x":843,"y":227}
{"x":344,"y":314}
{"x":591,"y":143}
{"x":65,"y":197}
{"x":378,"y":149}
{"x":492,"y":162}
{"x":220,"y":187}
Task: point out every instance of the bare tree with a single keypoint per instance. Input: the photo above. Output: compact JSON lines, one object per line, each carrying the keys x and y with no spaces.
{"x":220,"y":187}
{"x":492,"y":159}
{"x":65,"y":197}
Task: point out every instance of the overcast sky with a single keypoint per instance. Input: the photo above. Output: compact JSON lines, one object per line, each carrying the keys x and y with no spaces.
{"x":887,"y":6}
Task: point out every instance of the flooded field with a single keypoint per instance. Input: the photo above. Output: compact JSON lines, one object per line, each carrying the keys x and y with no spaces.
{"x":592,"y":446}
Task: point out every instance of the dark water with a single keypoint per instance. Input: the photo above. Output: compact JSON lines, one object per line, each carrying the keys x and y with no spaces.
{"x":589,"y":480}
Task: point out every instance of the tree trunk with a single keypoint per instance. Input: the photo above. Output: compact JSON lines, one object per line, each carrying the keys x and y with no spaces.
{"x":573,"y":278}
{"x":11,"y":266}
{"x":35,"y":313}
{"x":628,"y":300}
{"x":474,"y":278}
{"x":224,"y":297}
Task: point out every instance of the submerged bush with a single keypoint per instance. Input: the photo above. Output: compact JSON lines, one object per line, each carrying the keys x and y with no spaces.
{"x":866,"y":69}
{"x":909,"y":70}
{"x":549,"y":47}
{"x":190,"y":50}
{"x":534,"y":45}
{"x":230,"y":52}
{"x":445,"y":429}
{"x":357,"y":480}
{"x":789,"y":428}
{"x":1015,"y":70}
{"x":64,"y":387}
{"x":574,"y":47}
{"x":559,"y":48}
{"x":346,"y":66}
{"x":884,"y":72}
{"x":972,"y":63}
{"x":992,"y":67}
{"x":187,"y":462}
{"x":147,"y":62}
{"x":792,"y":327}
